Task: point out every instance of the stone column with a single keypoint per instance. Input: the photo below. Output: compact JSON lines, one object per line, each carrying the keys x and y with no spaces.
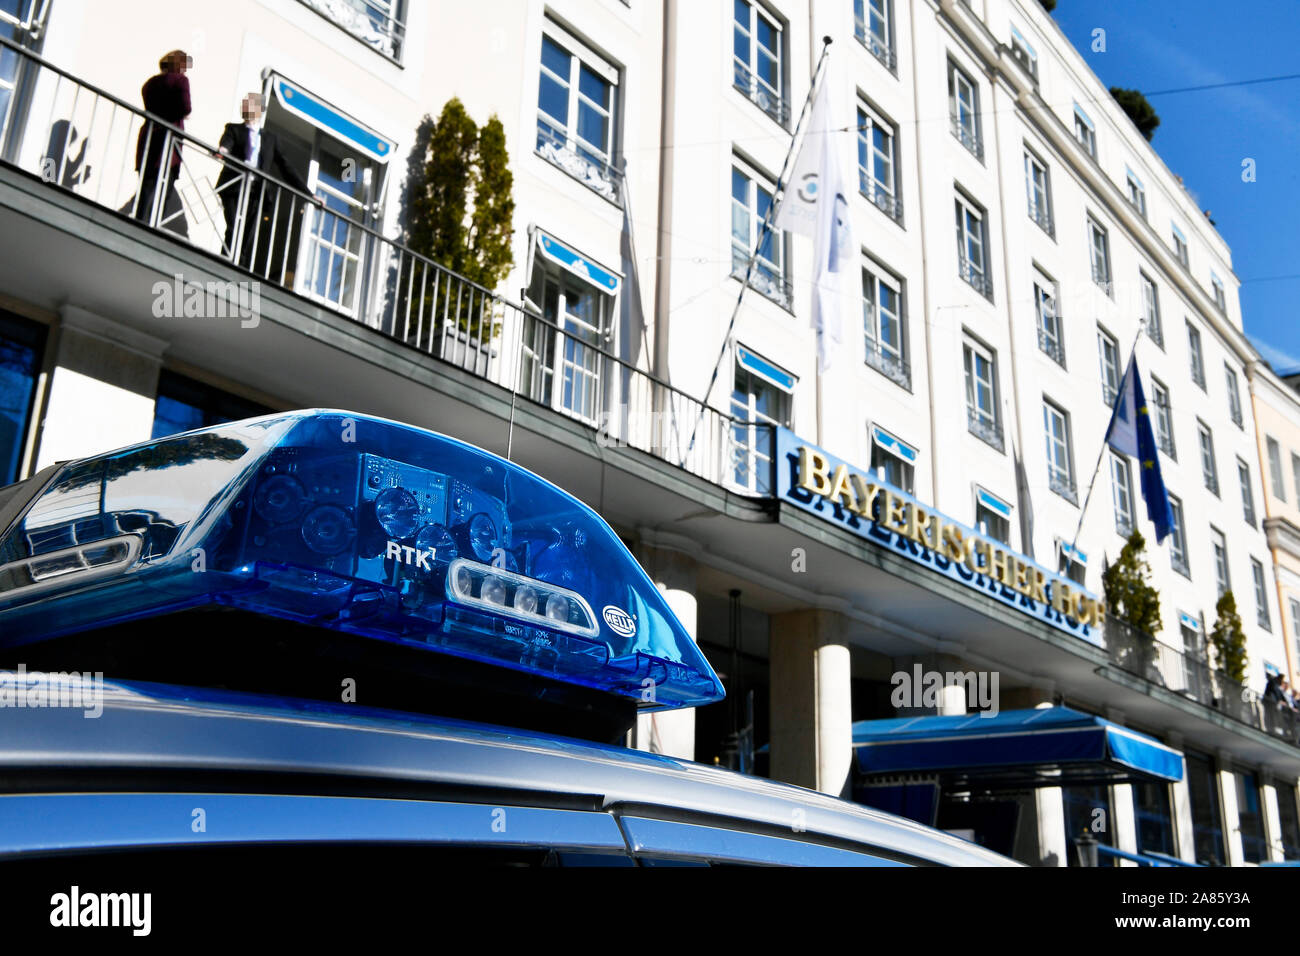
{"x":102,"y":389}
{"x":1048,"y":802}
{"x":1228,"y":801}
{"x":812,"y":716}
{"x":671,"y":732}
{"x":1181,"y":808}
{"x":1268,"y":797}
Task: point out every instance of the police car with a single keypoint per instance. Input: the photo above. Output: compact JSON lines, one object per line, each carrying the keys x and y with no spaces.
{"x":321,"y":628}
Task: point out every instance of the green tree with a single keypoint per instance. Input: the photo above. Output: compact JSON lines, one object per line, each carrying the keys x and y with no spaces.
{"x":459,"y":212}
{"x":1228,"y":640}
{"x":1132,"y":599}
{"x":1139,"y":110}
{"x":1048,"y":5}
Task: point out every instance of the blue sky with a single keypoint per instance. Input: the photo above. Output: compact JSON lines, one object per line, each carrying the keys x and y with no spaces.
{"x":1204,"y":136}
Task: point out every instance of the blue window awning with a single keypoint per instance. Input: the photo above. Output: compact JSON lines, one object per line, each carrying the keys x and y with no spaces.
{"x":1050,"y":746}
{"x":322,"y":115}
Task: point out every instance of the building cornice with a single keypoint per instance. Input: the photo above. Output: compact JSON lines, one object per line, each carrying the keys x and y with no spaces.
{"x":1283,"y":535}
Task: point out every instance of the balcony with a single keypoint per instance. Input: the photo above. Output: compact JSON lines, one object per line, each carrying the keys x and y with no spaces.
{"x":763,"y":277}
{"x":1166,"y":442}
{"x":1155,"y":332}
{"x":1063,"y":484}
{"x":973,"y":274}
{"x":222,"y":218}
{"x":1193,"y":676}
{"x":1051,"y":346}
{"x":968,"y":136}
{"x":374,"y":22}
{"x":1040,"y":214}
{"x":1101,"y":276}
{"x":890,"y":364}
{"x":876,"y":45}
{"x":986,"y":429}
{"x":887,"y":202}
{"x":579,"y":161}
{"x":761,"y":94}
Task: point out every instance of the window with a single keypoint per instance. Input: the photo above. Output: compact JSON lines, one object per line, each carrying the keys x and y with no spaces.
{"x":1295,"y":474}
{"x":882,"y":322}
{"x":1137,"y":193}
{"x":982,"y":417}
{"x":1221,"y":576}
{"x":183,"y":404}
{"x":1121,"y":494}
{"x":1071,"y":562}
{"x":1195,"y":358}
{"x":1207,"y":818}
{"x":376,"y":23}
{"x":760,"y":398}
{"x":1164,"y":418}
{"x":972,"y":241}
{"x":1196,"y":669}
{"x":1108,"y":354}
{"x":1085,"y":132}
{"x":1040,"y":193}
{"x":1153,"y":818}
{"x":563,"y":354}
{"x":1261,"y":595}
{"x":1275,"y":468}
{"x":1209,"y":470}
{"x":757,"y":51}
{"x":963,"y":107}
{"x":575,"y":112}
{"x":1050,"y":336}
{"x":1024,"y":54}
{"x":992,"y":516}
{"x":1060,"y":459}
{"x":1250,"y":812}
{"x":1247,"y":495}
{"x":1288,"y":820}
{"x":1083,"y":805}
{"x":1234,"y":396}
{"x":751,"y":199}
{"x":1178,"y":539}
{"x":892,"y":459}
{"x":1151,"y":310}
{"x":1295,"y":623}
{"x":877,"y":162}
{"x":20,"y":365}
{"x":872,"y":25}
{"x":1220,"y":301}
{"x":1099,"y":249}
{"x":1180,"y":245}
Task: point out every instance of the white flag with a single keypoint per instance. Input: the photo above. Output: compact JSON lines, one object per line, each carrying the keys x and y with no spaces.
{"x":816,"y":203}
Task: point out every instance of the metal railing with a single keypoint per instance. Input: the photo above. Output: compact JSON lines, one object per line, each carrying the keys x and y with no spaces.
{"x":1194,"y":677}
{"x":82,"y":139}
{"x":968,"y":136}
{"x":765,"y":279}
{"x":1155,"y":331}
{"x":890,"y":364}
{"x":876,"y":45}
{"x":888,"y":203}
{"x":1101,"y":276}
{"x":769,"y":100}
{"x":1062,"y":485}
{"x":975,"y":276}
{"x":988,"y":430}
{"x":374,"y":22}
{"x":579,"y":161}
{"x":1051,"y":345}
{"x":1040,"y":214}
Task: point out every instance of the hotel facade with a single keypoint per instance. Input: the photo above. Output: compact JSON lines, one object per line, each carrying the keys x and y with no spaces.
{"x":828,"y":538}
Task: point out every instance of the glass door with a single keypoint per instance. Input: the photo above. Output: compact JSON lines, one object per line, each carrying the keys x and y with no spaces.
{"x":332,"y":266}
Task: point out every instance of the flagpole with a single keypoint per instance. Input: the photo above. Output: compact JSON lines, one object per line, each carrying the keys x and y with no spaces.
{"x":762,"y":237}
{"x":1130,"y":368}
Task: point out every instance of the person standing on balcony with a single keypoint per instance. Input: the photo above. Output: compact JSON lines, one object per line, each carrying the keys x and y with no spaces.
{"x":259,"y":148}
{"x":167,"y":97}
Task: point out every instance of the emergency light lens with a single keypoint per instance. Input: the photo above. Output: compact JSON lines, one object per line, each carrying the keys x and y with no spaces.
{"x":436,"y":538}
{"x":557,"y":607}
{"x":280,"y":499}
{"x":398,"y":512}
{"x":493,"y":591}
{"x":328,"y":530}
{"x":526,"y":599}
{"x":482,"y":536}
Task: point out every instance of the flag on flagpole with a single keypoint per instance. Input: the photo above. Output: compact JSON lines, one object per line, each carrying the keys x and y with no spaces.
{"x":1129,"y":433}
{"x":816,"y":204}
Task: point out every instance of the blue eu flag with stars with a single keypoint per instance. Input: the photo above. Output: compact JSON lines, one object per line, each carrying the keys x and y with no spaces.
{"x":1129,"y":433}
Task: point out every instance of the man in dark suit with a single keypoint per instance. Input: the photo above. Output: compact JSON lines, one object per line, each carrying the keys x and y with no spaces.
{"x":166,"y":96}
{"x":259,"y":148}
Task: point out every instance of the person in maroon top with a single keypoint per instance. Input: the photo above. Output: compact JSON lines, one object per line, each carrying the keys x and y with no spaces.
{"x":167,"y":97}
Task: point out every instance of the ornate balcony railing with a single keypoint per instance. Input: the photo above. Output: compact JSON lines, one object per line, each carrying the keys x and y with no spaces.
{"x":975,"y":276}
{"x":876,"y":45}
{"x":1063,"y":485}
{"x":1155,"y":331}
{"x":578,"y":160}
{"x":1040,"y":214}
{"x":767,"y":99}
{"x":765,"y":279}
{"x":82,"y":140}
{"x":890,"y":364}
{"x":1166,"y":442}
{"x":1194,"y":677}
{"x":968,"y":136}
{"x":1051,"y":346}
{"x":374,"y":22}
{"x":988,"y":430}
{"x":888,"y":203}
{"x":1101,"y":276}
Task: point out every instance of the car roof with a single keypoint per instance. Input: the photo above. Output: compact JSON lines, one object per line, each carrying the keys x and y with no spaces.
{"x":157,"y":727}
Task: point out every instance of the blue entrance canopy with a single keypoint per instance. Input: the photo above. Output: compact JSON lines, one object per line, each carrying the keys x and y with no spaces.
{"x":1033,"y":747}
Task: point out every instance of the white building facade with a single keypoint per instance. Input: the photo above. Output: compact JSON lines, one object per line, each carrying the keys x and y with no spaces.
{"x":975,"y":377}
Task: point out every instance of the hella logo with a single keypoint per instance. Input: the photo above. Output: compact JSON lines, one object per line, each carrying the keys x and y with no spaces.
{"x":415,"y":557}
{"x":619,"y":621}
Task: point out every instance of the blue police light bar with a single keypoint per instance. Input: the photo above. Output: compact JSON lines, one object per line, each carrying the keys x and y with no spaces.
{"x":356,"y":524}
